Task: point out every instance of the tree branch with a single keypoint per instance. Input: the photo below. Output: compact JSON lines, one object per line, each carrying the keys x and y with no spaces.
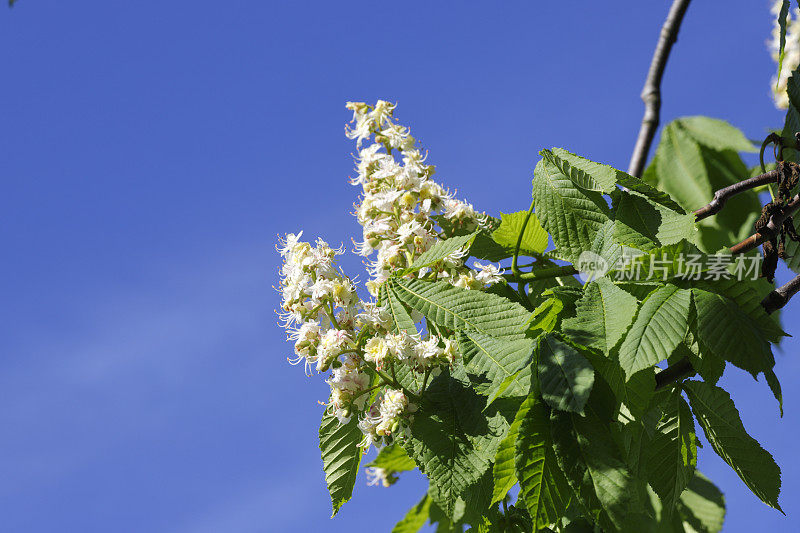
{"x":651,"y":94}
{"x":723,"y":195}
{"x":771,"y":230}
{"x":780,"y":296}
{"x":674,"y":372}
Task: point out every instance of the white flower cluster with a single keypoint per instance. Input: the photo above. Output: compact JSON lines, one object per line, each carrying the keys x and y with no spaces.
{"x":383,"y":419}
{"x":379,"y":476}
{"x":403,"y":211}
{"x":791,"y":58}
{"x":333,"y":330}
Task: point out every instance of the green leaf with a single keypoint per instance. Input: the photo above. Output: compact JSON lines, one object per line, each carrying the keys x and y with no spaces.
{"x":716,"y":134}
{"x":570,"y":215}
{"x":393,"y":459}
{"x":565,"y":376}
{"x":401,"y":321}
{"x":635,"y":392}
{"x":442,"y":522}
{"x":708,"y":364}
{"x":775,"y":387}
{"x":557,"y":301}
{"x":723,"y":428}
{"x":735,"y":222}
{"x":680,"y":169}
{"x":604,"y":178}
{"x":542,"y":485}
{"x":534,"y":240}
{"x":593,"y":464}
{"x":604,"y":313}
{"x":504,"y":473}
{"x":659,"y":327}
{"x":498,"y":361}
{"x":341,"y":456}
{"x":455,"y":308}
{"x":728,"y":332}
{"x":415,"y":518}
{"x":659,"y":264}
{"x":645,"y":225}
{"x":441,"y":250}
{"x":748,"y":295}
{"x":702,"y":506}
{"x":672,"y":452}
{"x":782,"y":16}
{"x":452,"y":441}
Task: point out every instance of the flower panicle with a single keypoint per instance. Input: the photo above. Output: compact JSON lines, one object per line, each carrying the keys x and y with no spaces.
{"x":403,"y":213}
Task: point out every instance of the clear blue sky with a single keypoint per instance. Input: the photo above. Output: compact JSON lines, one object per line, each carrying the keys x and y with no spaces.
{"x":151,"y":152}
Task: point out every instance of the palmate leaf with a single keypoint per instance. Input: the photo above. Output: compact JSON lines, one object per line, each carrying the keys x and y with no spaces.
{"x":565,"y":376}
{"x":341,"y":456}
{"x":735,"y":222}
{"x":415,"y":518}
{"x":672,"y":451}
{"x":401,"y":321}
{"x":645,"y":225}
{"x":635,"y":392}
{"x":723,"y":428}
{"x":729,"y":333}
{"x":604,"y":178}
{"x":442,"y":522}
{"x":543,"y":488}
{"x":452,"y":441}
{"x":748,"y":295}
{"x":716,"y":134}
{"x":498,"y":361}
{"x":708,"y":364}
{"x":570,"y":215}
{"x":593,"y":465}
{"x":504,"y":473}
{"x":441,"y":250}
{"x":534,"y":239}
{"x":393,"y":459}
{"x":455,"y":308}
{"x":556,"y":301}
{"x":659,"y":264}
{"x":678,"y":157}
{"x":603,"y":315}
{"x":696,"y":156}
{"x":702,"y":505}
{"x":660,"y":326}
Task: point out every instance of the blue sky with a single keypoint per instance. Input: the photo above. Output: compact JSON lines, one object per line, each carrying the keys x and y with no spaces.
{"x":152,"y":153}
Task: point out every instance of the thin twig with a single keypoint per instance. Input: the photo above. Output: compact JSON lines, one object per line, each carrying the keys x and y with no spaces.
{"x":651,"y":94}
{"x":723,"y":195}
